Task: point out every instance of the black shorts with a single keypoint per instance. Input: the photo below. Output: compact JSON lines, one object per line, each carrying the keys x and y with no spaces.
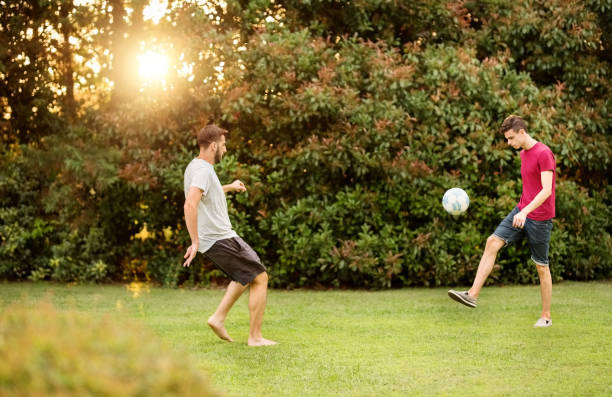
{"x":236,"y":259}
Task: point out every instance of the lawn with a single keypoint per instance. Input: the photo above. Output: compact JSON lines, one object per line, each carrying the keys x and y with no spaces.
{"x":359,"y":343}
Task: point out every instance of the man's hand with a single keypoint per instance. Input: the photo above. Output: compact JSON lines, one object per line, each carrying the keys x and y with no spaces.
{"x":191,"y":253}
{"x":237,"y":186}
{"x":519,"y":220}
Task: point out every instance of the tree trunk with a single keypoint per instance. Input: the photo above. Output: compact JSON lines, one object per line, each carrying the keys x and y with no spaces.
{"x":66,"y":54}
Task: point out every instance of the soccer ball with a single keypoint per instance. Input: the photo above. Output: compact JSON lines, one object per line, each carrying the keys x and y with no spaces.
{"x":455,"y":201}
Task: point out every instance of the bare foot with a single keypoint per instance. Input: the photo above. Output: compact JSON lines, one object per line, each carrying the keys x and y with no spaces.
{"x":261,"y":342}
{"x":219,"y":329}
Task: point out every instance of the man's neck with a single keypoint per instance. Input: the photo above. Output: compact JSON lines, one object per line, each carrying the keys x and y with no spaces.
{"x":530,"y":143}
{"x":208,"y":157}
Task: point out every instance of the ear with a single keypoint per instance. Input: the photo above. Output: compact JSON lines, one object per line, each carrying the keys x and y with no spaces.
{"x":522,"y":131}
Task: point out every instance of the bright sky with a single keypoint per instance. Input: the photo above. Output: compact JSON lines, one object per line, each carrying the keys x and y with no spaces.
{"x":155,"y":10}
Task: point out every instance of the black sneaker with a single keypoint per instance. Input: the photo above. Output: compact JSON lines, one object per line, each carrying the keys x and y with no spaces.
{"x":462,"y":297}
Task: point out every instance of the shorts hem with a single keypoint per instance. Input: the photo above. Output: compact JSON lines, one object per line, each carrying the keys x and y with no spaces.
{"x":501,"y":238}
{"x":539,"y":263}
{"x":251,"y":280}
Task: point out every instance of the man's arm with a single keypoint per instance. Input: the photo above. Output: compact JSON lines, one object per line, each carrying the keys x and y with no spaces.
{"x":194,"y":195}
{"x":546,"y":178}
{"x":235,"y":186}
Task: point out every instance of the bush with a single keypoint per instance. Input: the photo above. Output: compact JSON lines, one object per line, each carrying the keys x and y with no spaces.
{"x":50,"y":353}
{"x":26,"y":234}
{"x":357,"y":143}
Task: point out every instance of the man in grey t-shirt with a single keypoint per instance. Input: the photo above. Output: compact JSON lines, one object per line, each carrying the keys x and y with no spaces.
{"x":211,"y":233}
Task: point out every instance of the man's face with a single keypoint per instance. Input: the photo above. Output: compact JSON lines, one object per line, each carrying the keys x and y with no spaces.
{"x":515,"y":139}
{"x":220,"y":149}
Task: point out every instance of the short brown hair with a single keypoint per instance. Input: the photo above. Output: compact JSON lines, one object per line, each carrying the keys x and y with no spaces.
{"x":209,"y":134}
{"x":514,"y":123}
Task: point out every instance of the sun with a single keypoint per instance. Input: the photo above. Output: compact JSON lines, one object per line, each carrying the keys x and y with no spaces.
{"x":152,"y":66}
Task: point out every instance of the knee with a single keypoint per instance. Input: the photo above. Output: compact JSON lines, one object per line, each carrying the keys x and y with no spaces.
{"x":262,"y":279}
{"x":494,"y":243}
{"x":543,"y":270}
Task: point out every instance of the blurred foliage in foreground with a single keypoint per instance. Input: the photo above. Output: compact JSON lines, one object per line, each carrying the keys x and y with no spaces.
{"x":50,"y":353}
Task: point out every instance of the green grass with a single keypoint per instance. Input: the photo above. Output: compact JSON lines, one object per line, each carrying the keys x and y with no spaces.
{"x":358,"y":343}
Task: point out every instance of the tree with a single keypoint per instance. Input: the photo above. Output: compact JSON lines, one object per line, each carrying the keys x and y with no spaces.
{"x":28,"y":82}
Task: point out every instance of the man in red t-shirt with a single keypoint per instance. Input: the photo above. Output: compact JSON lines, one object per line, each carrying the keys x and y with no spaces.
{"x":531,"y":218}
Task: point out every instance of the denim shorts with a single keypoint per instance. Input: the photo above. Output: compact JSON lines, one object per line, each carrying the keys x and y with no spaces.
{"x":537,"y":232}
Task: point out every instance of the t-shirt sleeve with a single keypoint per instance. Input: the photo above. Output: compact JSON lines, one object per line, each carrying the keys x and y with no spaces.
{"x":546,"y":161}
{"x":201,"y":179}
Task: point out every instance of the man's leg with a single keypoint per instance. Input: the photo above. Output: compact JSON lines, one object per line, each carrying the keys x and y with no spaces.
{"x":504,"y":233}
{"x":538,"y":233}
{"x":216,"y":321}
{"x":257,"y":305}
{"x":545,"y":290}
{"x":494,"y":244}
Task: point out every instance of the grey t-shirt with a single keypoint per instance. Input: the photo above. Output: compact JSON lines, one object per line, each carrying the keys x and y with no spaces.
{"x":213,"y":220}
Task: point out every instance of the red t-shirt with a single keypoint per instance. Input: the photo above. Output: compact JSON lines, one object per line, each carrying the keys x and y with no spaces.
{"x":533,"y":162}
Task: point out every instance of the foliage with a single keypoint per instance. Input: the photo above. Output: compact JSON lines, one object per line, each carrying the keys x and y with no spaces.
{"x":347,"y":124}
{"x":26,"y":93}
{"x":27,"y":235}
{"x":51,"y":353}
{"x":383,"y":135}
{"x":556,"y":42}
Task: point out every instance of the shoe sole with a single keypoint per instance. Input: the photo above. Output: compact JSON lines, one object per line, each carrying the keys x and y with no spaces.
{"x":460,"y":299}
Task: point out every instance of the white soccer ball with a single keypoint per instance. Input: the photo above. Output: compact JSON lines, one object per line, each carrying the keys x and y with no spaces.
{"x":455,"y":201}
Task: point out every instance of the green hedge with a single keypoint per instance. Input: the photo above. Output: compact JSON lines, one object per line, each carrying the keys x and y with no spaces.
{"x":355,"y":200}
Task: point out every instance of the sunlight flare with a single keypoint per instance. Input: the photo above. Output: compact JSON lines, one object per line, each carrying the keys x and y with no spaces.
{"x":153,"y":66}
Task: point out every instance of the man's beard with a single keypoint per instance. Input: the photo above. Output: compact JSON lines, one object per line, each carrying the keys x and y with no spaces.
{"x":218,"y":156}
